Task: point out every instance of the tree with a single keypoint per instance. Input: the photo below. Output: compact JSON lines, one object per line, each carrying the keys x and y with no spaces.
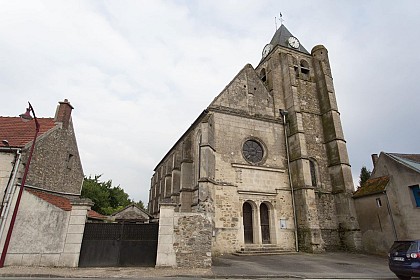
{"x":364,"y":176}
{"x":117,"y":197}
{"x":107,"y":199}
{"x":97,"y":192}
{"x":140,"y":204}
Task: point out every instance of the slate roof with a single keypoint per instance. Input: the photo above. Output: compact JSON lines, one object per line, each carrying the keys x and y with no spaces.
{"x":281,"y":36}
{"x":18,"y":133}
{"x":410,"y":160}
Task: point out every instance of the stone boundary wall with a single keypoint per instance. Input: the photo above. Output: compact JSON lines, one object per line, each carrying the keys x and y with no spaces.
{"x":74,"y":236}
{"x":184,"y":239}
{"x":45,"y":235}
{"x":193,"y":235}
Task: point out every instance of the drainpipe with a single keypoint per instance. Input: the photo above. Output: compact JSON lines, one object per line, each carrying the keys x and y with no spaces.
{"x":390,"y":215}
{"x":284,"y":113}
{"x":10,"y":189}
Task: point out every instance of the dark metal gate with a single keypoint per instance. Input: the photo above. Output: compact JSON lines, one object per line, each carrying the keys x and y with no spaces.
{"x":109,"y":244}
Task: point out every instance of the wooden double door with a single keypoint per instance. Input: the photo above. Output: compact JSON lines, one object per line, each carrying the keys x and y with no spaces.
{"x":248,"y":223}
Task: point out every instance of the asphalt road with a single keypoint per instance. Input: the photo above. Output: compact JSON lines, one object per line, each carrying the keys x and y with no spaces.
{"x":288,"y":266}
{"x":303,"y":265}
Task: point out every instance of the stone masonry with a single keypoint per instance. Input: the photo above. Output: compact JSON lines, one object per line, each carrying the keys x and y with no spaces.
{"x":184,"y":239}
{"x":193,"y":235}
{"x":267,"y":179}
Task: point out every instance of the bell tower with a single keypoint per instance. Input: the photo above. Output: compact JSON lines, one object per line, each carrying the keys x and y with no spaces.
{"x":321,"y":183}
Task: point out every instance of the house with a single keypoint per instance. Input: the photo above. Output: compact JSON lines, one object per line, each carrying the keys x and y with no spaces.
{"x":267,"y":161}
{"x":131,"y":214}
{"x":388,"y":204}
{"x":49,"y":225}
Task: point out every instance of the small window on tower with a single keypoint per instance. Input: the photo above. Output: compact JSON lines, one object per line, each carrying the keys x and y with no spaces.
{"x":263,"y":75}
{"x":378,"y":202}
{"x":304,"y":67}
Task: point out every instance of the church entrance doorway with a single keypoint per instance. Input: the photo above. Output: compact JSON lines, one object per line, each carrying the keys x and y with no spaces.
{"x":265,"y":224}
{"x":248,"y":229}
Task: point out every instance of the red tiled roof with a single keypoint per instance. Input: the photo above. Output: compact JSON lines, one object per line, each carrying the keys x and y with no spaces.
{"x":59,"y":201}
{"x":62,"y":202}
{"x":372,"y":186}
{"x":95,"y":215}
{"x":18,"y":133}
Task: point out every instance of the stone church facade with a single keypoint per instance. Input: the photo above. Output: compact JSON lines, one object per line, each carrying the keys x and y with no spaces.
{"x":267,"y":160}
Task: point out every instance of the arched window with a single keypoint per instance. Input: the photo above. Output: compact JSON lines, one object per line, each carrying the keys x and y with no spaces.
{"x":304,"y":67}
{"x":263,"y":75}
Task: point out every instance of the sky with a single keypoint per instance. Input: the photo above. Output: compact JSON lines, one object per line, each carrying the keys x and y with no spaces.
{"x":138,"y":73}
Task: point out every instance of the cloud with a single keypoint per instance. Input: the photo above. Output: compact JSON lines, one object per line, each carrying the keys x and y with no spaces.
{"x":139,"y":72}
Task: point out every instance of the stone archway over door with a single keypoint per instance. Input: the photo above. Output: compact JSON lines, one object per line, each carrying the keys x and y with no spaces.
{"x":265,"y":224}
{"x":247,"y":220}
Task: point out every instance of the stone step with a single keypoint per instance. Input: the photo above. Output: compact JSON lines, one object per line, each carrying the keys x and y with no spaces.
{"x":261,"y":250}
{"x":261,"y":253}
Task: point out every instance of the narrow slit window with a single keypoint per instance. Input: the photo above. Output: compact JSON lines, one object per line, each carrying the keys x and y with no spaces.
{"x":312,"y":168}
{"x":69,"y":160}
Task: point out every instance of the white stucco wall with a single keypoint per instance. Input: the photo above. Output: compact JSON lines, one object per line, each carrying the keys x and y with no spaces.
{"x":402,"y":203}
{"x":375,"y":224}
{"x":39,"y":233}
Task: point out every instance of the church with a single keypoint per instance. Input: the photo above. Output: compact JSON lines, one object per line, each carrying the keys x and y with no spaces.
{"x":267,"y":161}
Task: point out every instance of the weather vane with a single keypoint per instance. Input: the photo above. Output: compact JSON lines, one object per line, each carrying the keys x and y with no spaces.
{"x":280,"y":19}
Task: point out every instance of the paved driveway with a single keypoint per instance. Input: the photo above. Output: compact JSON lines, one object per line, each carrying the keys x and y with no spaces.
{"x":303,"y":265}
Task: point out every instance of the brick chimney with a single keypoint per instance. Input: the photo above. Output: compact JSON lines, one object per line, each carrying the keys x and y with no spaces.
{"x":63,"y":113}
{"x":374,"y":159}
